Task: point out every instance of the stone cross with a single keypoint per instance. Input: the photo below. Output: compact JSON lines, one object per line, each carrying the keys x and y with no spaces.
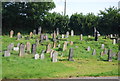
{"x":31,"y":34}
{"x":33,"y":48}
{"x":39,"y":30}
{"x":81,"y":37}
{"x":102,"y":46}
{"x":36,"y":56}
{"x":65,"y":46}
{"x":114,"y":41}
{"x":11,"y":33}
{"x":48,"y":48}
{"x":22,"y":50}
{"x":70,"y":58}
{"x":88,"y":49}
{"x":119,"y":55}
{"x":109,"y":55}
{"x":67,"y":34}
{"x":57,"y":31}
{"x":19,"y":36}
{"x":42,"y":56}
{"x":72,"y":33}
{"x":94,"y":52}
{"x":28,"y":47}
{"x":62,"y":36}
{"x":54,"y":56}
{"x":7,"y":54}
{"x":34,"y":32}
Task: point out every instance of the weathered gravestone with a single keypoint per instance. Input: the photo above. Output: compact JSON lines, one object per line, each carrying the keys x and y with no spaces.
{"x":67,"y":34}
{"x":42,"y":56}
{"x":57,"y":31}
{"x":11,"y":33}
{"x":81,"y":37}
{"x":111,"y":35}
{"x":48,"y":48}
{"x":102,"y":46}
{"x":36,"y":56}
{"x":94,"y":52}
{"x":54,"y":56}
{"x":54,"y":36}
{"x":39,"y":30}
{"x":22,"y":50}
{"x":71,"y":42}
{"x":7,"y":54}
{"x":31,"y":34}
{"x":33,"y":48}
{"x":65,"y":46}
{"x":70,"y":57}
{"x":88,"y":48}
{"x":119,"y":55}
{"x":63,"y":36}
{"x":41,"y":37}
{"x":109,"y":55}
{"x":72,"y":33}
{"x":54,"y":44}
{"x":19,"y":36}
{"x":28,"y":47}
{"x":37,"y":42}
{"x":34,"y":32}
{"x":114,"y":41}
{"x":10,"y":46}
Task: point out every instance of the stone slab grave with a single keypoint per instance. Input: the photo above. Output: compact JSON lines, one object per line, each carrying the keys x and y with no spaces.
{"x":81,"y":37}
{"x":11,"y":33}
{"x":65,"y":46}
{"x":109,"y":55}
{"x":7,"y":54}
{"x":70,"y":57}
{"x":54,"y":56}
{"x":102,"y":46}
{"x":94,"y":52}
{"x":33,"y":48}
{"x":48,"y":48}
{"x":42,"y":56}
{"x":22,"y":50}
{"x":36,"y":56}
{"x":72,"y":33}
{"x":28,"y":47}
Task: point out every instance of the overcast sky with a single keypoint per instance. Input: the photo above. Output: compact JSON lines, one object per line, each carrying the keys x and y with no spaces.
{"x":84,"y":6}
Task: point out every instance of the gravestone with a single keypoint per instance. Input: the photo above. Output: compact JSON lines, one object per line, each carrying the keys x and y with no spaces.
{"x":111,"y":35}
{"x":31,"y":34}
{"x":65,"y":46}
{"x":72,"y":33}
{"x":54,"y":36}
{"x":114,"y":41}
{"x":22,"y":50}
{"x":54,"y":56}
{"x":46,"y":37}
{"x":67,"y":34}
{"x":63,"y":36}
{"x":58,"y":45}
{"x":37,"y":42}
{"x":36,"y":56}
{"x":105,"y":51}
{"x":48,"y":49}
{"x":71,"y":42}
{"x":102,"y":46}
{"x":19,"y":36}
{"x":89,"y":36}
{"x":10,"y":47}
{"x":34,"y":32}
{"x":7,"y":54}
{"x":81,"y":37}
{"x":94,"y":52}
{"x":28,"y":47}
{"x":42,"y":56}
{"x":70,"y":57}
{"x":51,"y":53}
{"x":39,"y":30}
{"x":16,"y":48}
{"x":88,"y":48}
{"x":54,"y":44}
{"x":11,"y":33}
{"x":96,"y":36}
{"x":18,"y":44}
{"x":109,"y":55}
{"x":57,"y":31}
{"x":33,"y":48}
{"x":41,"y":37}
{"x":119,"y":55}
{"x":95,"y":31}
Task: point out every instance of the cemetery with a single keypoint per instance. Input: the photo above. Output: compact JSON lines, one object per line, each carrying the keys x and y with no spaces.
{"x":38,"y":44}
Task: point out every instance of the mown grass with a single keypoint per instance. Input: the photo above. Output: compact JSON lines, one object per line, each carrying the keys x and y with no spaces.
{"x":84,"y":64}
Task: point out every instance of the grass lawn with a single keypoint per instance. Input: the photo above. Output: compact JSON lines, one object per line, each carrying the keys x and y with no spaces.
{"x":84,"y":64}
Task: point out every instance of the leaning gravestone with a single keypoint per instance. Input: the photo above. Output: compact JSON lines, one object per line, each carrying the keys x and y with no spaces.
{"x":102,"y":46}
{"x":11,"y":33}
{"x":65,"y":46}
{"x":42,"y":56}
{"x":19,"y":36}
{"x":28,"y":47}
{"x":70,"y":58}
{"x":114,"y":41}
{"x":22,"y":50}
{"x":109,"y":55}
{"x":33,"y":48}
{"x":72,"y":33}
{"x":119,"y":55}
{"x":54,"y":56}
{"x":6,"y":54}
{"x":39,"y":30}
{"x":81,"y":37}
{"x":48,"y":48}
{"x":94,"y":52}
{"x":36,"y":56}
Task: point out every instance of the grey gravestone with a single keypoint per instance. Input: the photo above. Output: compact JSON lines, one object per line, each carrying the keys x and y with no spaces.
{"x":54,"y":36}
{"x":11,"y":33}
{"x":19,"y":36}
{"x":81,"y":37}
{"x":88,"y":48}
{"x":37,"y":42}
{"x":36,"y":56}
{"x":114,"y":41}
{"x":94,"y":52}
{"x":54,"y":44}
{"x":65,"y":46}
{"x":48,"y":48}
{"x":57,"y":31}
{"x":22,"y":50}
{"x":28,"y":47}
{"x":39,"y":30}
{"x":67,"y":34}
{"x":119,"y":55}
{"x":51,"y":53}
{"x":70,"y":58}
{"x":54,"y":56}
{"x":42,"y":56}
{"x":102,"y":46}
{"x":72,"y":33}
{"x":41,"y":37}
{"x":16,"y":48}
{"x":110,"y":55}
{"x":33,"y":48}
{"x":63,"y":36}
{"x":7,"y":54}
